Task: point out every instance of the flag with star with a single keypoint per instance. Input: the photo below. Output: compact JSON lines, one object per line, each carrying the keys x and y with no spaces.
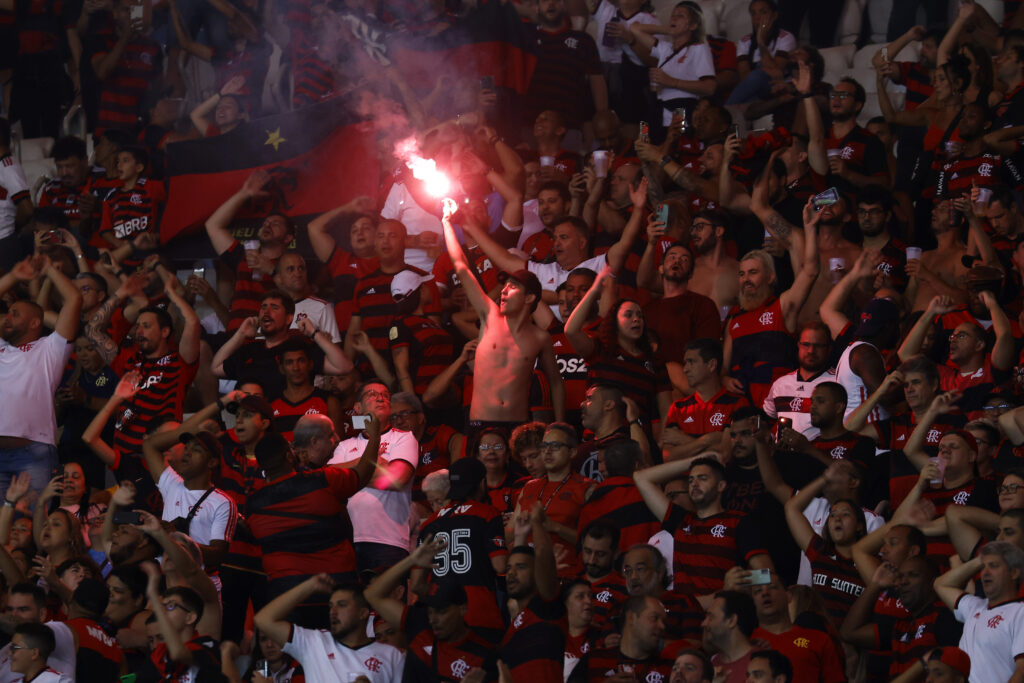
{"x":318,"y":158}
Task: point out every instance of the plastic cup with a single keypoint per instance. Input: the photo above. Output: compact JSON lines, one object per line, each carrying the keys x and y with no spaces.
{"x":253,"y":245}
{"x":601,"y":163}
{"x":835,"y":153}
{"x":984,"y":195}
{"x":913,"y":253}
{"x":837,"y":267}
{"x":547,"y":161}
{"x":941,"y":464}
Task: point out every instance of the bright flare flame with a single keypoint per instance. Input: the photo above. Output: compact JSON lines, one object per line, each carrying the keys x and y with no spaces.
{"x":435,"y":182}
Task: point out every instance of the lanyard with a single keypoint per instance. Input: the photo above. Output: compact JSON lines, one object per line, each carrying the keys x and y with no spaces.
{"x":555,"y":492}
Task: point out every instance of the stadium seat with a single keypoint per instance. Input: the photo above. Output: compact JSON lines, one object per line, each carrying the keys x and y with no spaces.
{"x":878,"y":19}
{"x":33,"y":149}
{"x":850,"y":22}
{"x":838,"y":59}
{"x":712,"y":16}
{"x":994,"y":8}
{"x":37,"y":173}
{"x":735,"y":21}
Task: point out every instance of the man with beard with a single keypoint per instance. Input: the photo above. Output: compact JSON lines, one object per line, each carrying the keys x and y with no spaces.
{"x":609,"y":419}
{"x":253,"y":268}
{"x":244,"y":357}
{"x":552,"y":202}
{"x":814,"y":656}
{"x":714,"y":273}
{"x":730,"y":620}
{"x":758,"y":338}
{"x":709,"y":540}
{"x":790,"y":395}
{"x":290,"y":276}
{"x":834,"y":441}
{"x":939,"y":271}
{"x":571,"y":365}
{"x":31,"y":366}
{"x":861,"y":158}
{"x":510,"y":344}
{"x":680,"y":315}
{"x":638,"y":650}
{"x":344,"y":649}
{"x":927,"y":622}
{"x":1010,"y":70}
{"x":69,"y":191}
{"x":874,"y":211}
{"x":616,"y":500}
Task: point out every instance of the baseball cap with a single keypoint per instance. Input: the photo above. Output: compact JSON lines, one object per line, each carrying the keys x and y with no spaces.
{"x":205,"y":439}
{"x":464,"y":477}
{"x":875,"y":316}
{"x":406,"y":282}
{"x":252,"y":403}
{"x":92,"y":595}
{"x":955,"y":658}
{"x":524,"y":277}
{"x":442,"y":595}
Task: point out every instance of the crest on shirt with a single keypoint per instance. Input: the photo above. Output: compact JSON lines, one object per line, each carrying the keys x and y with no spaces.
{"x":717,"y":419}
{"x":654,"y":677}
{"x":373,"y":664}
{"x":718,"y":531}
{"x":135,"y":199}
{"x":459,"y":668}
{"x":838,"y":453}
{"x":572,"y":43}
{"x":767,"y":318}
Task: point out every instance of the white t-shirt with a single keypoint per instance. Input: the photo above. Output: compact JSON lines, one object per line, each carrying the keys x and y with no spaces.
{"x":613,"y":55}
{"x":325,"y":660}
{"x":401,"y":206}
{"x":795,"y":394}
{"x":216,"y":517}
{"x":551,"y":275}
{"x":993,"y":638}
{"x":690,"y":63}
{"x":62,"y":658}
{"x":817,"y":514}
{"x":29,"y":376}
{"x":785,"y":42}
{"x":531,"y":222}
{"x":13,"y":188}
{"x":381,"y":516}
{"x":320,"y":312}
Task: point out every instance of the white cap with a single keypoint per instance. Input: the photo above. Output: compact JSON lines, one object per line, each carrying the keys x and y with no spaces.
{"x":407,"y":282}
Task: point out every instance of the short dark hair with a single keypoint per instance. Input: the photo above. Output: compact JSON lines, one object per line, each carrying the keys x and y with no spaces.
{"x":858,"y":90}
{"x":712,"y":463}
{"x":915,"y":538}
{"x":778,"y":663}
{"x":286,"y":301}
{"x":31,"y":589}
{"x":132,"y":576}
{"x":354,"y":589}
{"x":708,"y":671}
{"x":621,"y":458}
{"x":293,"y":343}
{"x":875,"y":194}
{"x":68,"y":147}
{"x":556,"y":186}
{"x":745,"y":413}
{"x":99,"y":281}
{"x":817,"y":326}
{"x":525,"y":436}
{"x":189,"y":598}
{"x":163,"y":318}
{"x":600,"y":530}
{"x":716,"y":217}
{"x":836,"y":390}
{"x":578,"y":224}
{"x":582,"y":272}
{"x":118,"y":137}
{"x":38,"y":637}
{"x":138,"y":153}
{"x":740,"y":605}
{"x":1004,"y":195}
{"x":922,"y":365}
{"x":568,"y":430}
{"x":709,"y":349}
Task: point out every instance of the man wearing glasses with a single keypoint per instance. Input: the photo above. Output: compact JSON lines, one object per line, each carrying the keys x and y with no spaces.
{"x":874,"y":211}
{"x":855,"y":157}
{"x":790,"y":395}
{"x":380,"y":512}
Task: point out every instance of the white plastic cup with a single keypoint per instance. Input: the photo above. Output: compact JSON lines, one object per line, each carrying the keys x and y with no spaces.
{"x":834,"y":153}
{"x":913,"y":253}
{"x":547,"y":161}
{"x":984,"y":195}
{"x":253,"y":245}
{"x":837,"y":267}
{"x":941,"y":464}
{"x":600,"y":163}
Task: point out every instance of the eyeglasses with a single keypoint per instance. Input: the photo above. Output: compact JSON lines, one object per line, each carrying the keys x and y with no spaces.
{"x":1001,"y":406}
{"x":19,"y":647}
{"x":552,"y":445}
{"x":700,"y":225}
{"x":1009,"y":488}
{"x":372,"y":394}
{"x":402,"y":414}
{"x":839,"y":95}
{"x":496,"y":447}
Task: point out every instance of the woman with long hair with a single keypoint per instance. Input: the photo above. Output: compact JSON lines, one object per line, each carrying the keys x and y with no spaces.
{"x":621,"y":354}
{"x":762,"y":55}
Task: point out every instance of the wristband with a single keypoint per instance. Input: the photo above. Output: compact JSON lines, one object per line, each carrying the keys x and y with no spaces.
{"x":806,"y":95}
{"x":8,"y":504}
{"x":666,"y":160}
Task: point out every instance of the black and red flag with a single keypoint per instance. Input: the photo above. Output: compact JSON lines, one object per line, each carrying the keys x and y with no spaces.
{"x":319,"y":157}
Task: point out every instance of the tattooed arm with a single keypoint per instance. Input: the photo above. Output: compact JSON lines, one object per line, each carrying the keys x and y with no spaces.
{"x":96,"y":328}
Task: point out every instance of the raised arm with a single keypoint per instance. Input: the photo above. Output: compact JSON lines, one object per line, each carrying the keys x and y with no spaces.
{"x":616,"y":256}
{"x":71,"y":310}
{"x":126,"y":388}
{"x":803,"y":532}
{"x":793,"y":298}
{"x":378,"y":593}
{"x":914,"y":450}
{"x":857,"y":420}
{"x":817,"y":155}
{"x":272,"y":620}
{"x":438,"y":386}
{"x":482,"y":303}
{"x":650,"y":480}
{"x":949,"y":41}
{"x":858,"y":629}
{"x":911,"y":345}
{"x":1003,"y":352}
{"x":320,"y":238}
{"x":217,"y":224}
{"x":335,"y":360}
{"x":246,"y":331}
{"x":579,"y":339}
{"x":770,"y":475}
{"x":950,"y":586}
{"x":188,"y":345}
{"x":832,"y":307}
{"x":545,"y":572}
{"x":200,"y":50}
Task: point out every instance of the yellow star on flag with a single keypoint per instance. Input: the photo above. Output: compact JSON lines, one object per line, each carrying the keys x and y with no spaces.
{"x":274,"y":138}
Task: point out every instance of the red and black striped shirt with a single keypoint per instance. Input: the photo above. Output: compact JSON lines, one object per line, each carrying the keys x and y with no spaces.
{"x":534,"y":645}
{"x":617,"y":501}
{"x":835,"y":578}
{"x":123,"y":90}
{"x":163,"y":385}
{"x":301,"y":523}
{"x":606,"y":662}
{"x":434,"y":455}
{"x":431,"y":659}
{"x":239,"y":476}
{"x":641,"y":378}
{"x":763,"y":349}
{"x":128,"y":213}
{"x":918,"y":81}
{"x":704,"y":549}
{"x":249,"y":287}
{"x":430,"y":348}
{"x":345,"y":270}
{"x":376,"y":307}
{"x":910,"y":637}
{"x":286,"y":413}
{"x":697,"y":417}
{"x":98,"y":651}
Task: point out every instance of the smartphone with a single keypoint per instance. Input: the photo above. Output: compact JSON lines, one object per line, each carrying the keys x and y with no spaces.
{"x":487,"y":83}
{"x":645,"y":132}
{"x":135,"y":14}
{"x":760,"y":577}
{"x":826,"y":198}
{"x":123,"y":516}
{"x":51,"y":237}
{"x":199,"y":272}
{"x":663,"y":213}
{"x":736,"y":129}
{"x":360,"y":421}
{"x":785,"y":423}
{"x":105,"y":258}
{"x":681,"y":113}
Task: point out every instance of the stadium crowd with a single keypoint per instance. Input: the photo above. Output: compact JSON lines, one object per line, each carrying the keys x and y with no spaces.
{"x":750,"y":403}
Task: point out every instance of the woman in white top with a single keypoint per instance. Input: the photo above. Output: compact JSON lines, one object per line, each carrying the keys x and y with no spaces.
{"x":682,"y":67}
{"x":626,"y":75}
{"x":763,"y":55}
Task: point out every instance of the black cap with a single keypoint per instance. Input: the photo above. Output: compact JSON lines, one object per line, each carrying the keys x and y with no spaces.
{"x":524,"y":277}
{"x":92,"y":595}
{"x":465,"y":476}
{"x":875,"y":316}
{"x":252,"y":403}
{"x":443,"y":595}
{"x":205,"y":439}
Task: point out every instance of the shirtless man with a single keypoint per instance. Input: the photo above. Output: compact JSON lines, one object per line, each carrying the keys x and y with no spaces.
{"x":715,"y":273}
{"x":509,"y":342}
{"x":940,"y":271}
